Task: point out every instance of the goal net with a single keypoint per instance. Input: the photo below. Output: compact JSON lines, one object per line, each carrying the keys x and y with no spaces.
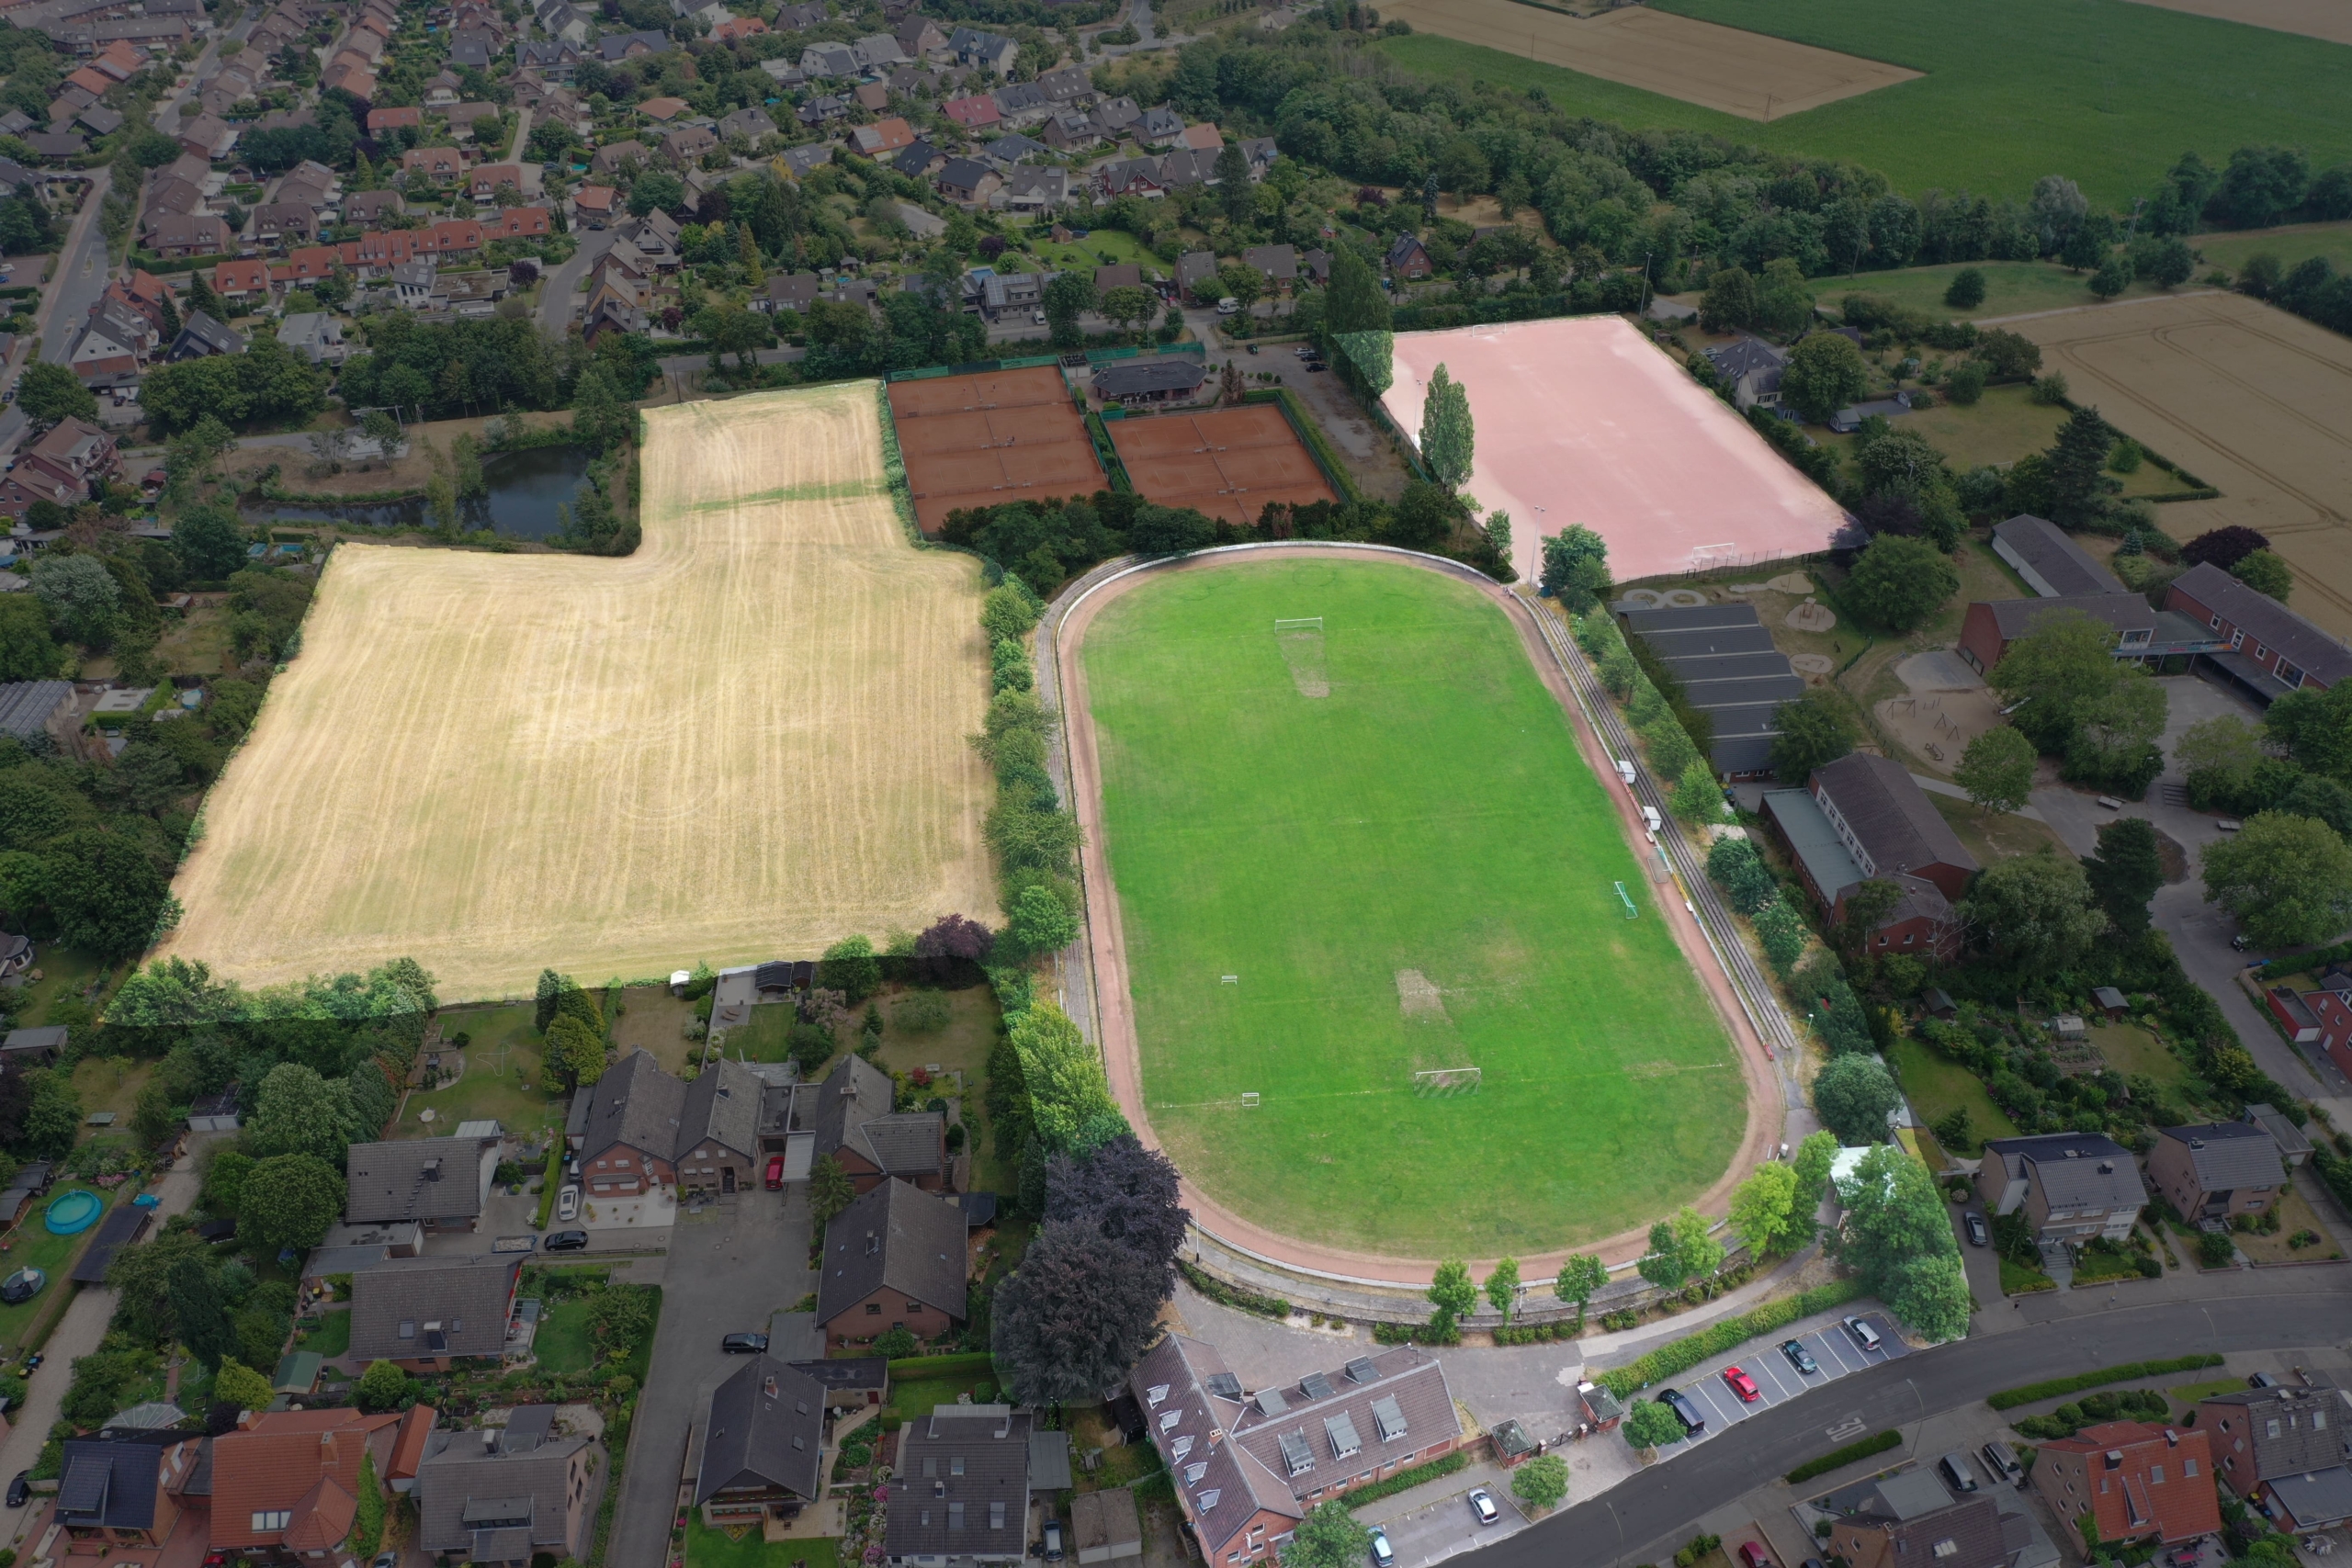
{"x":1299,"y":624}
{"x":1632,"y":912}
{"x":1446,"y":1082}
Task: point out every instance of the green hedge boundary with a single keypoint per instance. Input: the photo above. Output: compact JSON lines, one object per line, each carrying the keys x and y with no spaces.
{"x":1405,"y":1480}
{"x":1224,"y":1295}
{"x":1310,"y":435}
{"x":2011,"y":1398}
{"x":2314,"y":961}
{"x":1682,"y":1355}
{"x":956,"y":1366}
{"x":1837,"y":1459}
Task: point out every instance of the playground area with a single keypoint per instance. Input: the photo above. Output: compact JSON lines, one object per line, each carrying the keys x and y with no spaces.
{"x":1944,"y":706}
{"x":986,"y":439}
{"x":1228,"y":463}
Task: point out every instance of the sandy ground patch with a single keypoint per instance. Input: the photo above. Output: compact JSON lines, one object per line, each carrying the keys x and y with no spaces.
{"x":1739,"y":73}
{"x":2250,"y":400}
{"x":743,"y":741}
{"x":2329,"y":19}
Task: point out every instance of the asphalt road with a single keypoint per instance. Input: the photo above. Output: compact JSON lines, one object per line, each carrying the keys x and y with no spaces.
{"x":1641,"y":1519}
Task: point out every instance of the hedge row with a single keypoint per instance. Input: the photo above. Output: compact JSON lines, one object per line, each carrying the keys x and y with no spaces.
{"x":963,"y":1364}
{"x":1405,"y":1479}
{"x":1415,"y":1334}
{"x":1682,"y":1355}
{"x":1838,"y":1458}
{"x":2009,"y":1398}
{"x":1538,"y":1333}
{"x":2314,"y":961}
{"x":1239,"y":1300}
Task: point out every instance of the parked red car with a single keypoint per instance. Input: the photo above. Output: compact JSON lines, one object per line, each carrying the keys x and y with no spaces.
{"x":1752,"y":1555}
{"x":775,"y":1174}
{"x":1743,"y":1385}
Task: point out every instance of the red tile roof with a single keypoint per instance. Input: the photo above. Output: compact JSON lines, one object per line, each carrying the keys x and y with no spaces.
{"x":303,"y":1463}
{"x":978,"y":111}
{"x":408,"y":1448}
{"x":240,"y":276}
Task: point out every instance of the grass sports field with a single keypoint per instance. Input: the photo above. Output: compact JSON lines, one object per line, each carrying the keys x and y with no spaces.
{"x":743,"y":741}
{"x":1385,"y":832}
{"x":2106,"y":92}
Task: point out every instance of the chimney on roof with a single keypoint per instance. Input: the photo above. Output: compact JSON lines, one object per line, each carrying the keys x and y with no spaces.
{"x":2115,"y":1459}
{"x":771,"y":1385}
{"x":433,"y":1168}
{"x":2172,"y":1438}
{"x":2106,"y":1168}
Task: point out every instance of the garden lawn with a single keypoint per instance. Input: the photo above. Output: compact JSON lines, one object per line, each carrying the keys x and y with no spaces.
{"x":2130,"y":1049}
{"x":2017,"y":1280}
{"x":502,"y":1056}
{"x":762,"y":1037}
{"x":2191,"y":1393}
{"x":2295,"y":1215}
{"x":708,"y":1548}
{"x":914,"y":1397}
{"x":30,"y":1246}
{"x":963,"y":1044}
{"x":1936,"y":1087}
{"x":63,"y":972}
{"x":2105,"y":92}
{"x":1427,"y":835}
{"x":331,"y":1336}
{"x":563,"y":1345}
{"x":1101,"y":247}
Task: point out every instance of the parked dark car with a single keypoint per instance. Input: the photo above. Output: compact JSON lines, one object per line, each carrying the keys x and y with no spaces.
{"x":1684,"y":1411}
{"x":1799,"y":1357}
{"x":745,"y":1343}
{"x":565,"y":1241}
{"x":1976,"y":1234}
{"x":20,"y":1489}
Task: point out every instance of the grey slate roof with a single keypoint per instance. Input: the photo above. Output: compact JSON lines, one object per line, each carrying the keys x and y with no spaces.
{"x":112,"y":1481}
{"x":766,"y":1429}
{"x":415,"y":1179}
{"x":2124,"y":612}
{"x":2076,"y":1170}
{"x":635,"y":1103}
{"x":898,"y":1237}
{"x":25,"y":705}
{"x":962,"y":1486}
{"x":1890,"y":815}
{"x":855,"y":1111}
{"x":2316,"y":1498}
{"x":2040,"y":550}
{"x":2227,"y":1155}
{"x":466,"y":1295}
{"x":466,"y":1492}
{"x":722,"y":1106}
{"x":2265,"y":620}
{"x":1136,"y":377}
{"x":2311,"y":1428}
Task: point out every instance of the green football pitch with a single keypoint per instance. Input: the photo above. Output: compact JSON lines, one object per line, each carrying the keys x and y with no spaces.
{"x":1414,"y":870}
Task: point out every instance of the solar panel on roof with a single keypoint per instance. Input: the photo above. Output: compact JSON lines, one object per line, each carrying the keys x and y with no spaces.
{"x":84,"y":1490}
{"x":1314,"y":1385}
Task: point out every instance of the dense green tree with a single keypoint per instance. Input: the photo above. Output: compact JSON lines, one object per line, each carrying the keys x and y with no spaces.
{"x":2034,"y":912}
{"x":48,"y":393}
{"x":1852,"y":1095}
{"x":2055,"y":673}
{"x":1681,"y":1250}
{"x":2287,"y":878}
{"x":2315,"y":728}
{"x":1356,"y":322}
{"x":240,"y":1385}
{"x":27,"y":650}
{"x":1575,"y":568}
{"x":1067,"y":296}
{"x":1448,"y":438}
{"x":1967,"y":289}
{"x":382,"y":1386}
{"x":209,"y":541}
{"x":1502,"y":1287}
{"x":289,"y":1201}
{"x":1074,"y":1318}
{"x":1898,"y":582}
{"x":297,"y":1112}
{"x":1581,"y":1275}
{"x":1453,"y":1294}
{"x":1824,"y":374}
{"x":1540,"y":1483}
{"x":2077,"y":464}
{"x":1729,"y":302}
{"x":2322,"y":798}
{"x":1650,"y":1425}
{"x":1763,"y":1209}
{"x":576,"y":1052}
{"x":1997,"y":768}
{"x":1815,"y":732}
{"x":1897,"y":1237}
{"x":106,"y":893}
{"x":850,"y":967}
{"x":2126,"y":873}
{"x":2266,"y":571}
{"x":1814,"y":1158}
{"x":1069,"y":1100}
{"x":1331,"y":1536}
{"x":830,"y":1190}
{"x":83,"y":597}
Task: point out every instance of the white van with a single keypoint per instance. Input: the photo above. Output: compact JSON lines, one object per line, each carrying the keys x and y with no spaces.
{"x":1650,"y":816}
{"x":1625,"y":771}
{"x":1862,"y":1332}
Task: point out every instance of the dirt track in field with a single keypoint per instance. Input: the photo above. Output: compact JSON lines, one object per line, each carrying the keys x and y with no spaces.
{"x":2250,"y":400}
{"x":1114,"y":1003}
{"x":1749,"y":75}
{"x":2329,"y":19}
{"x":743,"y":741}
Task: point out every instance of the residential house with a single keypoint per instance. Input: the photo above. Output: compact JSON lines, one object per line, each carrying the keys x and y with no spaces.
{"x":975,"y":113}
{"x":483,"y":183}
{"x":1067,"y":87}
{"x":1114,"y":119}
{"x":967,"y":182}
{"x":762,"y":1452}
{"x":1261,"y":153}
{"x":1408,"y":259}
{"x":306,"y":264}
{"x":1125,"y":275}
{"x":1035,"y":190}
{"x":176,"y":238}
{"x":465,"y":117}
{"x":442,"y":91}
{"x":439,"y":165}
{"x":613,"y":48}
{"x":439,"y":1183}
{"x":380,"y":121}
{"x":919,"y":160}
{"x":1879,"y":827}
{"x":752,"y":124}
{"x":592,"y":206}
{"x":239,"y":282}
{"x":370,"y":209}
{"x":1202,"y":138}
{"x":127,"y":1490}
{"x":882,"y":137}
{"x":2294,"y":1147}
{"x":412,"y":282}
{"x":656,"y":237}
{"x":1247,"y":1467}
{"x":820,"y":110}
{"x":1020,"y":103}
{"x":2269,"y":649}
{"x":1071,"y":130}
{"x":1137,"y":382}
{"x":504,"y":1494}
{"x":1316,"y":268}
{"x":796,"y":161}
{"x":1912,"y":1519}
{"x":206,"y":136}
{"x":2284,"y":1449}
{"x":1185,"y":166}
{"x":644,"y":1127}
{"x":1196,"y":275}
{"x":1990,"y":627}
{"x":684,"y":143}
{"x":609,"y":158}
{"x":877,"y":53}
{"x":349,"y":74}
{"x":787,"y":291}
{"x":70,"y":460}
{"x":1277,"y":264}
{"x":1752,"y":368}
{"x":427,"y":1313}
{"x":737,"y":28}
{"x":975,"y":50}
{"x":200,"y":335}
{"x":964,"y":1480}
{"x":2071,"y":1186}
{"x":919,"y":38}
{"x":1160,"y":127}
{"x":2216,"y":1170}
{"x":286,"y":1483}
{"x":279,"y":223}
{"x":894,"y":1259}
{"x":168,"y":196}
{"x":2136,"y":1481}
{"x":851,"y":1115}
{"x":558,"y":58}
{"x":824,"y":62}
{"x":872,"y":96}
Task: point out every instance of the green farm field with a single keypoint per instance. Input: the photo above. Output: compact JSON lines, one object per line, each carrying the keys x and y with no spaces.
{"x":2106,"y":92}
{"x":1413,"y":872}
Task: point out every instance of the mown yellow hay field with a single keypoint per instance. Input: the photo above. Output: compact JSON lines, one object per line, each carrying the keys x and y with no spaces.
{"x":743,"y":741}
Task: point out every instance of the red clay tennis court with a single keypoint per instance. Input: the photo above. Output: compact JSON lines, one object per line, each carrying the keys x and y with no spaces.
{"x":1228,"y":463}
{"x":986,"y":439}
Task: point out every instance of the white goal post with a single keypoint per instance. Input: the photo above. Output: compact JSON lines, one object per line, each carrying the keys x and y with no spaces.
{"x":1301,"y":623}
{"x":1446,"y":1080}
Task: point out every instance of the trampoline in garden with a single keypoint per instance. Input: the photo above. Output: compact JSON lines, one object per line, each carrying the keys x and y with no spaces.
{"x":72,"y":1212}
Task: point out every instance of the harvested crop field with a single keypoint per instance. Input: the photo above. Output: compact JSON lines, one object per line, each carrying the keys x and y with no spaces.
{"x":1748,"y":75}
{"x":743,"y":741}
{"x":1582,"y":419}
{"x":1229,"y":463}
{"x":980,"y":440}
{"x":2250,"y":400}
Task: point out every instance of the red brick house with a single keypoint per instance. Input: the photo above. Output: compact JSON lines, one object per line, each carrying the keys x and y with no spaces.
{"x":239,"y":280}
{"x":1247,"y":1467}
{"x":853,"y":1116}
{"x":2216,"y":1170}
{"x":128,"y":1493}
{"x":2132,"y":1480}
{"x":383,"y":120}
{"x":894,"y":1259}
{"x":424,"y":1314}
{"x":286,"y":1484}
{"x":437,"y":163}
{"x":64,"y":466}
{"x":2272,"y":650}
{"x":2330,"y":1010}
{"x":1864,"y":819}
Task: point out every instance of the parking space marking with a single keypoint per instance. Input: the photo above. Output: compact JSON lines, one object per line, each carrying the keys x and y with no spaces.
{"x":1773,"y":1379}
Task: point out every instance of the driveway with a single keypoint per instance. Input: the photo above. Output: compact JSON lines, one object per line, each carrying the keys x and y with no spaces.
{"x":729,"y":1269}
{"x":1432,"y":1522}
{"x":556,"y":289}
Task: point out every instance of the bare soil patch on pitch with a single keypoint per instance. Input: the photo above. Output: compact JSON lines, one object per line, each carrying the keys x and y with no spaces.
{"x":2250,"y":400}
{"x":744,"y":741}
{"x":1740,"y":72}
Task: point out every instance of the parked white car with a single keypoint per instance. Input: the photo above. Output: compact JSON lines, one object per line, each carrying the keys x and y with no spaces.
{"x":566,"y":1203}
{"x":1229,"y":306}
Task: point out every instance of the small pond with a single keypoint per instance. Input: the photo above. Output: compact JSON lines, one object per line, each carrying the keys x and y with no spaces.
{"x":526,"y":487}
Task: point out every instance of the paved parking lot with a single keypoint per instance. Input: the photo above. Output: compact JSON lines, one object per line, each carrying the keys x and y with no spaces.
{"x":1434,"y":1522}
{"x":1833,"y":1351}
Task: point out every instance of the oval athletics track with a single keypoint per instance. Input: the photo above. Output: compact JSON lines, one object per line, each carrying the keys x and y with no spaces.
{"x":1114,"y":1012}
